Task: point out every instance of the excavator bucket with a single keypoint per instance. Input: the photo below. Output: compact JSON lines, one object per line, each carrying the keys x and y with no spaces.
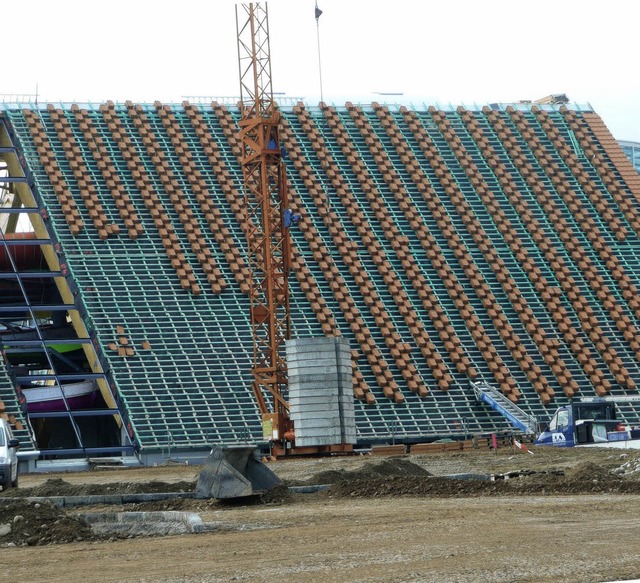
{"x":233,"y":472}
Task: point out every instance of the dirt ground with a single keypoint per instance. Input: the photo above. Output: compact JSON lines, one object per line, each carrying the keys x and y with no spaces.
{"x":561,"y":516}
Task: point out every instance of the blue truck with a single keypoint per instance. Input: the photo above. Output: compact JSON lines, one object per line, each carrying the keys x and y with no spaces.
{"x":590,"y":422}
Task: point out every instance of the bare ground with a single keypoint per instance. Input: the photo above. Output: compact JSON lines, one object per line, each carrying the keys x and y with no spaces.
{"x":570,"y":515}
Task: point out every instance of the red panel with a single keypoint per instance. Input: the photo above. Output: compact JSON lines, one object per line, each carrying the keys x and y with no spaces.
{"x":26,"y":257}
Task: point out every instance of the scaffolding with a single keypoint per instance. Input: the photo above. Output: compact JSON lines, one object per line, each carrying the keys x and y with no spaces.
{"x":60,"y":401}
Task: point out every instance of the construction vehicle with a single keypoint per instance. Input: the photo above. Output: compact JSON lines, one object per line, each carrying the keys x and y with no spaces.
{"x":234,"y":472}
{"x":590,"y":422}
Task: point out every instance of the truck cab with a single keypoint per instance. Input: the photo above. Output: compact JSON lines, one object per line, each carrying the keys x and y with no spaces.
{"x":580,"y":424}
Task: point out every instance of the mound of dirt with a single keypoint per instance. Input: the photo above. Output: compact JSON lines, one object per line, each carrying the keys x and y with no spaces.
{"x":59,"y":487}
{"x":24,"y":523}
{"x":173,"y":504}
{"x":278,"y":495}
{"x":588,"y":471}
{"x":590,"y":477}
{"x":585,"y":478}
{"x":328,"y":477}
{"x":415,"y":486}
{"x":391,"y":467}
{"x":394,"y":466}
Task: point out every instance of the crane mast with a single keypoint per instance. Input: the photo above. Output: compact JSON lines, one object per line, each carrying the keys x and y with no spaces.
{"x":268,"y":220}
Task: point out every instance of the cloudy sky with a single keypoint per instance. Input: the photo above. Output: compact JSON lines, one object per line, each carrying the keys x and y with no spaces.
{"x":451,"y":51}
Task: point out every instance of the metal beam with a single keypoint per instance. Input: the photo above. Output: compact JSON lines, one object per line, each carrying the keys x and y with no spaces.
{"x":7,"y":179}
{"x":30,"y":274}
{"x":24,"y":242}
{"x":80,"y":376}
{"x":18,"y":210}
{"x":46,"y":341}
{"x":39,"y":308}
{"x":83,"y":413}
{"x":87,"y":450}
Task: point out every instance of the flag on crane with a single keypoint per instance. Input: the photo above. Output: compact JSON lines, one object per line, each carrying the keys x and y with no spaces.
{"x":318,"y":15}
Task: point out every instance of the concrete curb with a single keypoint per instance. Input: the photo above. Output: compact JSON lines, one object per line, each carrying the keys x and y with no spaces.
{"x":144,"y":523}
{"x":74,"y":501}
{"x":117,"y":499}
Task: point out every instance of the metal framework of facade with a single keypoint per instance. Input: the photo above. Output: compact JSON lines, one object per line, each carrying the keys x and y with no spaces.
{"x":267,"y":212}
{"x":44,"y":340}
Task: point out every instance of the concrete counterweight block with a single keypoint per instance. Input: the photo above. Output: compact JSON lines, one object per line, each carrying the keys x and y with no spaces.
{"x":321,"y":391}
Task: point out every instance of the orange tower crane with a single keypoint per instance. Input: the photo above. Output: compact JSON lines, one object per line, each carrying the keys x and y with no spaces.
{"x":269,"y":218}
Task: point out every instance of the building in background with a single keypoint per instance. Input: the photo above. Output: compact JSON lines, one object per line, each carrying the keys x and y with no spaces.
{"x":632,"y":150}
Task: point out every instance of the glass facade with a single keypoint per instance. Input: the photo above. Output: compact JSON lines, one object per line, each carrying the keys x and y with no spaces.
{"x":632,"y":150}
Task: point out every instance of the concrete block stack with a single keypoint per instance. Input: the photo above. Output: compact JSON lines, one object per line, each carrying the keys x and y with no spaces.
{"x":321,"y":391}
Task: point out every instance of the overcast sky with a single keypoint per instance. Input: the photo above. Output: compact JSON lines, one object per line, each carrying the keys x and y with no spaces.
{"x":447,"y":51}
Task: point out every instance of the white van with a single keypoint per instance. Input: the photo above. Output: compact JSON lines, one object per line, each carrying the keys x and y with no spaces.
{"x":8,"y":457}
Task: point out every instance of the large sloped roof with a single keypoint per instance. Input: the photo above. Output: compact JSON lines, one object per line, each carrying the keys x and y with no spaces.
{"x":498,"y":243}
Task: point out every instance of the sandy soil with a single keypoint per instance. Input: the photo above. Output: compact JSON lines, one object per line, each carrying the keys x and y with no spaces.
{"x":572,"y":516}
